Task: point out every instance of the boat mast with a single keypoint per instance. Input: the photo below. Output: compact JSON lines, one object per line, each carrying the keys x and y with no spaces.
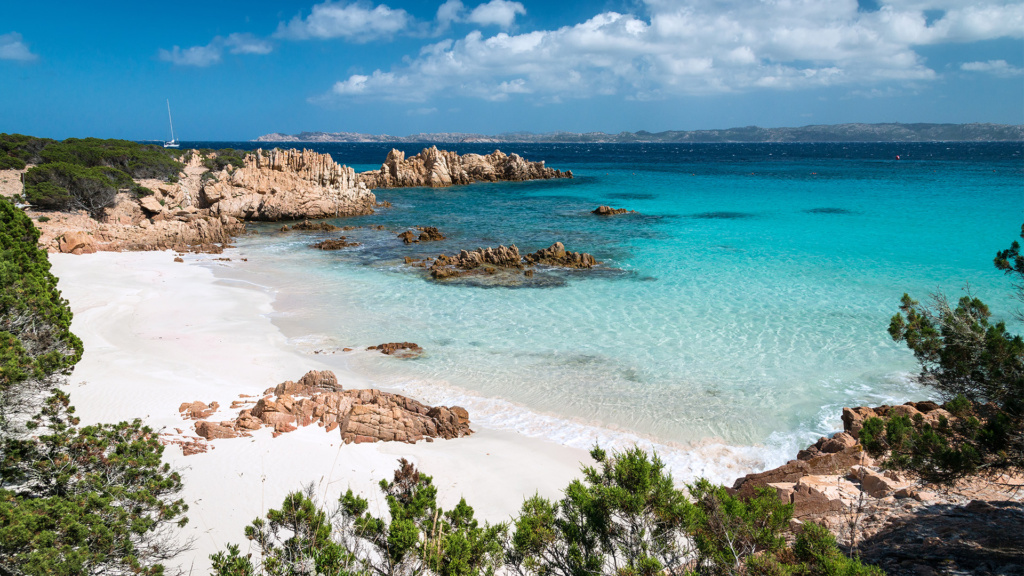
{"x":169,"y":119}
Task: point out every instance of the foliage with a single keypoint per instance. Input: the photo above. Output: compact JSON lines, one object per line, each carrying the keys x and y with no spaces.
{"x":73,"y":500}
{"x":728,"y":530}
{"x":86,"y":173}
{"x":815,"y":553}
{"x":134,"y":159}
{"x":625,"y":517}
{"x":1011,"y":262}
{"x":976,"y":364}
{"x":35,"y":336}
{"x":66,"y":186}
{"x":216,"y":160}
{"x":115,"y":470}
{"x":25,"y":148}
{"x":11,"y":162}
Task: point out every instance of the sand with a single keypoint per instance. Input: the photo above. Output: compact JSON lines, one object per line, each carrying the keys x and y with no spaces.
{"x":158,"y":333}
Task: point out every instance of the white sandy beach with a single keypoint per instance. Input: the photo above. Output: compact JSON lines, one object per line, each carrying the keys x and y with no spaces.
{"x":158,"y":333}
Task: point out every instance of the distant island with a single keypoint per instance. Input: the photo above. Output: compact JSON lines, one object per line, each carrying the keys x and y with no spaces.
{"x":894,"y":132}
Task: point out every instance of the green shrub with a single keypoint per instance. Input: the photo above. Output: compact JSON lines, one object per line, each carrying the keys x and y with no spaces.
{"x":64,"y":186}
{"x":35,"y":336}
{"x":10,"y":162}
{"x":43,"y":219}
{"x":136,"y":160}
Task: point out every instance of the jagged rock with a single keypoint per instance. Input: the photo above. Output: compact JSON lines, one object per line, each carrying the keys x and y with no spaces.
{"x":308,"y":226}
{"x":449,"y":266}
{"x":440,"y":168}
{"x":609,"y":211}
{"x":429,"y":234}
{"x":334,"y":244}
{"x":556,"y":255}
{"x":150,"y":205}
{"x":402,"y":349}
{"x":76,"y":242}
{"x":408,"y":237}
{"x":360,"y":415}
{"x":197,"y":410}
{"x":287,"y":184}
{"x":212,"y":430}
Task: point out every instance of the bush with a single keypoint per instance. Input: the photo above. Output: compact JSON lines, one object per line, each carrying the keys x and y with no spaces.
{"x":35,"y":335}
{"x":64,"y":186}
{"x":11,"y":163}
{"x":73,"y":500}
{"x":625,"y":518}
{"x":978,"y":366}
{"x":25,"y":148}
{"x":136,"y":160}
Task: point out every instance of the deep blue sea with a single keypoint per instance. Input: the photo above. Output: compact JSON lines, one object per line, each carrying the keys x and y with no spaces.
{"x":730,"y":320}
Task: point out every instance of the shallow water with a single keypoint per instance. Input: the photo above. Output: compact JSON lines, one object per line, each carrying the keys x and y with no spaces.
{"x":743,"y":307}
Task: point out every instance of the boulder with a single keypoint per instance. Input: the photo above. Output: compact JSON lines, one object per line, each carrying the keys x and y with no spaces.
{"x":609,"y":211}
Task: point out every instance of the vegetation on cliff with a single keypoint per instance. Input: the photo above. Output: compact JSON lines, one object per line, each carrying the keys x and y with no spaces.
{"x":73,"y":499}
{"x":979,"y":367}
{"x":624,"y":517}
{"x":84,"y":173}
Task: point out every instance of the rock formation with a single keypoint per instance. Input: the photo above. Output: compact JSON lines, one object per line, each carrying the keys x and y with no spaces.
{"x":556,"y":255}
{"x":287,"y":184}
{"x":835,"y":483}
{"x":307,"y":226}
{"x":440,"y":168}
{"x":490,"y":260}
{"x":400,"y":349}
{"x":427,"y":234}
{"x":359,"y":415}
{"x":334,"y":244}
{"x":609,"y":211}
{"x":130,"y":226}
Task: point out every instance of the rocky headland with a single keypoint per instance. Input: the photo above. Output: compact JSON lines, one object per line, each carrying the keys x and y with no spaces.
{"x":204,"y":209}
{"x":317,"y":398}
{"x":440,"y":168}
{"x":895,"y":519}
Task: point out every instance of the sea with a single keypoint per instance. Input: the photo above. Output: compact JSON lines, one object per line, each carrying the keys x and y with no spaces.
{"x":730,"y":320}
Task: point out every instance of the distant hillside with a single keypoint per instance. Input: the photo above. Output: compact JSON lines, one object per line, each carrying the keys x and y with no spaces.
{"x":821,"y":133}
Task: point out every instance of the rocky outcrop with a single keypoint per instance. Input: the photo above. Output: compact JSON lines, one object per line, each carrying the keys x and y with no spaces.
{"x":427,"y":234}
{"x":334,"y":244}
{"x":287,"y":184}
{"x":504,"y":258}
{"x":359,"y":415}
{"x":835,"y":483}
{"x":440,"y":168}
{"x":307,"y":226}
{"x":400,"y":349}
{"x":128,"y":226}
{"x":609,"y":211}
{"x":556,"y":255}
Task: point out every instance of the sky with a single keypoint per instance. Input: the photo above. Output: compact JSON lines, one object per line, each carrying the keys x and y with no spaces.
{"x":237,"y":70}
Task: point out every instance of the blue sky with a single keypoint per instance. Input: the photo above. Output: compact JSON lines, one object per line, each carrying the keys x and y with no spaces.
{"x":236,"y":70}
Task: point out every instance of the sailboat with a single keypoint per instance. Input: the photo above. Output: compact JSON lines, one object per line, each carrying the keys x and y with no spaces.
{"x":173,"y":142}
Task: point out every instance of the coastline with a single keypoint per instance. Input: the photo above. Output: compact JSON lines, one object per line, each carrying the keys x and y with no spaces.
{"x":189,"y":335}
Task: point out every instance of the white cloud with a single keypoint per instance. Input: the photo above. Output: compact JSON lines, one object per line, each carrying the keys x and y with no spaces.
{"x":1000,"y":68}
{"x":12,"y":48}
{"x":199,"y":56}
{"x":247,"y":44}
{"x":212,"y":53}
{"x":693,"y":47}
{"x":449,"y":12}
{"x":358,"y":22}
{"x":496,"y":13}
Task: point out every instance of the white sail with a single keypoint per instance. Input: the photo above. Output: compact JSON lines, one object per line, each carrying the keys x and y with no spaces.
{"x":173,"y":142}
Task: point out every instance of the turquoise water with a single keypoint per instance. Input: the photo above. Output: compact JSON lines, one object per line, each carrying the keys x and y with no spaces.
{"x":729,"y":321}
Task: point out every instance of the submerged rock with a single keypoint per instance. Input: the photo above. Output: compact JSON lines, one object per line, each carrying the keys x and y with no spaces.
{"x":334,"y":244}
{"x":400,"y":349}
{"x":609,"y":211}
